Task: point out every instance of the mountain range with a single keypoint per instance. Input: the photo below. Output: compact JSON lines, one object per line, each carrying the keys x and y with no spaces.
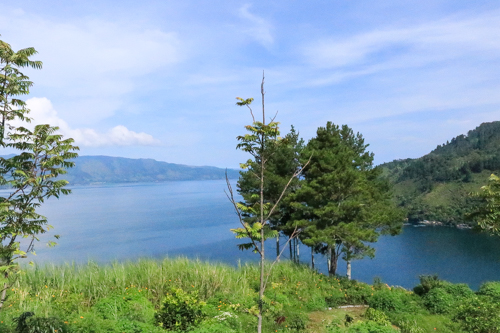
{"x":107,"y":169}
{"x":436,"y":186}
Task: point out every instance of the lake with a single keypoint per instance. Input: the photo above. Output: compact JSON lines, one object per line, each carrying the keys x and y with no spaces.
{"x":192,"y":218}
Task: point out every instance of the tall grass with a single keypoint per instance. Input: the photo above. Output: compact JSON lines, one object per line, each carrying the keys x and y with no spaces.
{"x":78,"y":294}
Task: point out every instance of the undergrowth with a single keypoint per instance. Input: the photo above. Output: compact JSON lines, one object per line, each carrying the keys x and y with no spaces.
{"x":194,"y":296}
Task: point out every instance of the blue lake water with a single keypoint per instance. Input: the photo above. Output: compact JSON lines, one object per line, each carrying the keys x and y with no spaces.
{"x":193,"y":218}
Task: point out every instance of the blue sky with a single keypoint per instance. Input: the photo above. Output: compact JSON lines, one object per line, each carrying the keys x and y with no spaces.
{"x":158,"y":79}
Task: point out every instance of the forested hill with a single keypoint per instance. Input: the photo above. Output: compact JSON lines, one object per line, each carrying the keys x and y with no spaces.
{"x":436,"y":186}
{"x":107,"y":169}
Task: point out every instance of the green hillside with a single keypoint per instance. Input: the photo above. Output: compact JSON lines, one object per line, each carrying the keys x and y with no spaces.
{"x":435,"y":187}
{"x":107,"y":169}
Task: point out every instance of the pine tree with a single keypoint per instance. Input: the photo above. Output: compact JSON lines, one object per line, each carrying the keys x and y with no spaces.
{"x":340,"y":205}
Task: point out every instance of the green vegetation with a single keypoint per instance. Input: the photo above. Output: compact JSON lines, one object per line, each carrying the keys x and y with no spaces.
{"x":326,"y":194}
{"x":31,"y":175}
{"x":262,"y":142}
{"x":436,"y":186}
{"x":342,"y":204}
{"x":487,"y":211}
{"x":181,"y":295}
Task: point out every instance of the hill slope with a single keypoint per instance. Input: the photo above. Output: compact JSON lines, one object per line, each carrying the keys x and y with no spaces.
{"x":107,"y":169}
{"x":436,"y":186}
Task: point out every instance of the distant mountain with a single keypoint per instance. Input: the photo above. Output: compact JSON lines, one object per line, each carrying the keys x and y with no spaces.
{"x":107,"y":169}
{"x":436,"y":186}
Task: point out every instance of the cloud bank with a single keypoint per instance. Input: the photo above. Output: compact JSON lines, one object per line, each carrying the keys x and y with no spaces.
{"x":43,"y":112}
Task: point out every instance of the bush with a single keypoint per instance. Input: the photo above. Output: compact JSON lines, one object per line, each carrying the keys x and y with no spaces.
{"x":427,"y":283}
{"x":438,"y":301}
{"x":459,"y":291}
{"x":28,"y":323}
{"x":394,"y":300}
{"x":335,"y":299}
{"x":490,"y":289}
{"x":212,"y":328}
{"x":315,"y":302}
{"x":377,"y":316}
{"x":363,"y":327}
{"x":133,"y":307}
{"x":410,"y":326}
{"x":180,"y":310}
{"x":297,"y":321}
{"x":385,"y":300}
{"x":479,"y":315}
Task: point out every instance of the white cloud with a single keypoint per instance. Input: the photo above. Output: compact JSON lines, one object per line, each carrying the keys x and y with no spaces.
{"x":43,"y":112}
{"x":259,"y":29}
{"x":91,"y":66}
{"x":411,"y":46}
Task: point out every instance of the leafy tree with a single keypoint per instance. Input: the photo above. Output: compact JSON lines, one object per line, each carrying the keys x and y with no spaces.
{"x":342,"y":203}
{"x":261,"y":143}
{"x":14,"y":83}
{"x":30,"y":175}
{"x":487,"y":212}
{"x":283,"y":161}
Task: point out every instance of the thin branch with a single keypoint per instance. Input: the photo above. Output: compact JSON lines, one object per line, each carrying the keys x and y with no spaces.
{"x":251,"y":112}
{"x":272,"y":119}
{"x":296,"y":174}
{"x":230,"y":196}
{"x":262,"y":92}
{"x":294,"y":234}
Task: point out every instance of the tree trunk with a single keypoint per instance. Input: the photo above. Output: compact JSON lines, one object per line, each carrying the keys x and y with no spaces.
{"x":262,"y":257}
{"x":4,"y":295}
{"x":329,"y":258}
{"x":262,"y":239}
{"x":332,"y":262}
{"x":312,"y":258}
{"x":348,"y":269}
{"x":298,"y":251}
{"x":278,"y":248}
{"x":291,"y":247}
{"x":333,"y":267}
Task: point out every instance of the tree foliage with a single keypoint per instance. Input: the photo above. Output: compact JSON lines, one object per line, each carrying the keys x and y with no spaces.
{"x":13,"y":83}
{"x":436,"y":186}
{"x":487,"y":212}
{"x":254,"y":213}
{"x":283,"y":161}
{"x":31,"y":176}
{"x":343,"y":204}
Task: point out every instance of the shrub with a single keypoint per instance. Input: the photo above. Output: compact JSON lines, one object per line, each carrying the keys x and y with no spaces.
{"x":363,"y":327}
{"x":180,"y":310}
{"x":133,"y":307}
{"x":317,"y":302}
{"x":211,"y":328}
{"x":490,"y":289}
{"x":93,"y":323}
{"x":128,"y":326}
{"x":395,"y":300}
{"x":297,"y":321}
{"x":377,"y":316}
{"x":409,"y":326}
{"x":378,"y":284}
{"x":28,"y":323}
{"x":479,"y":315}
{"x":459,"y":291}
{"x":427,"y":283}
{"x":385,"y":300}
{"x":438,"y":301}
{"x":335,"y":299}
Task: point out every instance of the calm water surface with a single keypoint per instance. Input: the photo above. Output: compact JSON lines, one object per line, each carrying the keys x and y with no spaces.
{"x":193,"y":218}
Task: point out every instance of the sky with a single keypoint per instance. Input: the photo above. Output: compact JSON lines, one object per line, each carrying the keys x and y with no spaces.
{"x":158,"y":79}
